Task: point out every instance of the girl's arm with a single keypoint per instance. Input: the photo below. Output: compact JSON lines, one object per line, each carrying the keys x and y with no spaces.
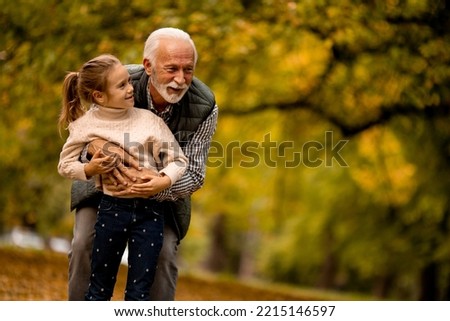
{"x":71,"y":167}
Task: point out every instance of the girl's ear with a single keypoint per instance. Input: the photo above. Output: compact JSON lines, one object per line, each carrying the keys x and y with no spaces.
{"x":99,"y":97}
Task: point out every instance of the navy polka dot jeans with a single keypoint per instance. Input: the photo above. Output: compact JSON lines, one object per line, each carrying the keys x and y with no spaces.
{"x":135,"y":222}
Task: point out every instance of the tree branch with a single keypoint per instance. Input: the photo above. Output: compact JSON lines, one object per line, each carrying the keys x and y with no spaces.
{"x":347,"y":128}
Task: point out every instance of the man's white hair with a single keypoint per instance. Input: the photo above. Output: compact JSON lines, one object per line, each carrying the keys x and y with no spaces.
{"x":153,"y":40}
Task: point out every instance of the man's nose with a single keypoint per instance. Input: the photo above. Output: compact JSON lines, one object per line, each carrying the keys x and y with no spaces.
{"x":180,"y":77}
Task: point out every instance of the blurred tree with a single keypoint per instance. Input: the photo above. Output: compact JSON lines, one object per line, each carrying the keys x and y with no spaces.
{"x":375,"y":73}
{"x":358,"y":66}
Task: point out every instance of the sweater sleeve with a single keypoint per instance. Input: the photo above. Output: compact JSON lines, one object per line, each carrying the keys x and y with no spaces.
{"x":169,"y":153}
{"x":69,"y":165}
{"x":197,"y":152}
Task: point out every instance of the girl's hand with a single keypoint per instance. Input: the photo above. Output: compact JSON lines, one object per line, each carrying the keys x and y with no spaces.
{"x":152,"y":185}
{"x":100,"y":164}
{"x":111,"y":148}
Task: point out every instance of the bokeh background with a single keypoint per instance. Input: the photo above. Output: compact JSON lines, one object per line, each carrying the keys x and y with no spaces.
{"x":330,"y":165}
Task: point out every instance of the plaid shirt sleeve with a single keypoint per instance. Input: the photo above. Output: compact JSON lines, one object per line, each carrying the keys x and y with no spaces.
{"x":196,"y":151}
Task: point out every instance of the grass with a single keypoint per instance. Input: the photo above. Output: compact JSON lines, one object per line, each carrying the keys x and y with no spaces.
{"x":30,"y":275}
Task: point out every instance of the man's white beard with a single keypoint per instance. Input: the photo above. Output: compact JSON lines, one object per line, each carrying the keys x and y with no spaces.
{"x":162,"y":90}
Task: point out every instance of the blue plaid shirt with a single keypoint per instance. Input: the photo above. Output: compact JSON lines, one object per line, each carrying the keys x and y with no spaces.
{"x":196,"y":150}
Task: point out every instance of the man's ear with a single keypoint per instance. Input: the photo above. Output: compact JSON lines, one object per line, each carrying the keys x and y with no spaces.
{"x":147,"y":66}
{"x":99,"y":97}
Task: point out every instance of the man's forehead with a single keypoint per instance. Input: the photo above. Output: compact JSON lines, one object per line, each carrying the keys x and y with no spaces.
{"x":176,"y":50}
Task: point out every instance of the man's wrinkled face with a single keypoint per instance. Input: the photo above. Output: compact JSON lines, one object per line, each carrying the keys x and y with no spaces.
{"x":173,"y":71}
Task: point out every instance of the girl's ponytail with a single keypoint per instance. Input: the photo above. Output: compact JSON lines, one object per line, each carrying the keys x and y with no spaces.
{"x":72,"y":107}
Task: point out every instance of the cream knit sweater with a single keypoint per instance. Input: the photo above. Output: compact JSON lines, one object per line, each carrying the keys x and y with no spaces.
{"x":141,"y":133}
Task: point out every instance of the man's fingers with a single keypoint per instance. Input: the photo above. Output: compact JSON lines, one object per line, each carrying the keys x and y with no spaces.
{"x":123,"y":192}
{"x":98,"y":154}
{"x":118,"y":188}
{"x":132,"y":162}
{"x":109,"y":162}
{"x":126,"y":172}
{"x":113,"y":180}
{"x":118,"y":177}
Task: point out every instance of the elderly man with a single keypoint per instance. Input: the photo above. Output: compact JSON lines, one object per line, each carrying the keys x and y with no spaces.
{"x":164,"y":84}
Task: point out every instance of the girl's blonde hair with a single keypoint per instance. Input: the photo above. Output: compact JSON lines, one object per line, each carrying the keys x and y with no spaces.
{"x":79,"y":87}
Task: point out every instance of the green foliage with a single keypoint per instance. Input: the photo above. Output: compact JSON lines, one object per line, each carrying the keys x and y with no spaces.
{"x":375,"y":73}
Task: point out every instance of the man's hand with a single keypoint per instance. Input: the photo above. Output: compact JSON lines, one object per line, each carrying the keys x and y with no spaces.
{"x":123,"y":177}
{"x":147,"y":184}
{"x":126,"y":178}
{"x":121,"y":174}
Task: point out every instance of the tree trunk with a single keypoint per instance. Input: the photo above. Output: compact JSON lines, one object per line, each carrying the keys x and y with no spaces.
{"x":329,"y":266}
{"x":383,"y":286}
{"x":429,"y":283}
{"x":217,"y":258}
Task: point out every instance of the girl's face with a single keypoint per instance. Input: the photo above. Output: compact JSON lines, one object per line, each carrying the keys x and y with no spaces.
{"x":119,"y":91}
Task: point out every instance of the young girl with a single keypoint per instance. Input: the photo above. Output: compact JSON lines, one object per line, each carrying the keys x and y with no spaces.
{"x":103,"y":83}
